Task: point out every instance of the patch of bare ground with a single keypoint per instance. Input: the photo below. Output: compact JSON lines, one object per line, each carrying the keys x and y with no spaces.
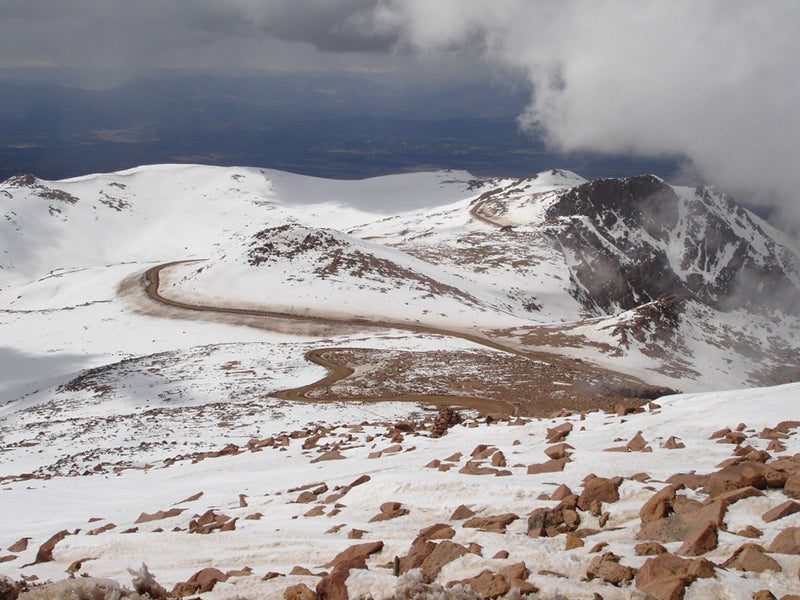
{"x":489,"y":381}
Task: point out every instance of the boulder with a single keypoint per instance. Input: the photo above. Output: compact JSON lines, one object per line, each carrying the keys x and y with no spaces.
{"x":787,"y":541}
{"x":703,"y":539}
{"x":389,"y":510}
{"x":333,"y":586}
{"x":359,"y":552}
{"x":487,"y":584}
{"x":442,"y":554}
{"x":608,"y":568}
{"x":550,"y":466}
{"x":299,"y":592}
{"x":462,"y":512}
{"x":664,"y":577}
{"x":751,"y":557}
{"x":439,"y":531}
{"x":493,"y":523}
{"x":199,"y":583}
{"x":549,"y":522}
{"x":649,"y":549}
{"x":45,"y":552}
{"x":600,"y":489}
{"x":782,"y":510}
{"x":659,"y":505}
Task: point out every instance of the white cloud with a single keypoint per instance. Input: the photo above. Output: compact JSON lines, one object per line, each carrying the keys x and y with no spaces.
{"x":715,"y":80}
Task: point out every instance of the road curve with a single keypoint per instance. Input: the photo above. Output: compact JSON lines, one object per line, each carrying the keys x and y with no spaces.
{"x":337,"y":371}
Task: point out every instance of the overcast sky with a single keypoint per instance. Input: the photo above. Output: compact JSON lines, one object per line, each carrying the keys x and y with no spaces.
{"x":715,"y":80}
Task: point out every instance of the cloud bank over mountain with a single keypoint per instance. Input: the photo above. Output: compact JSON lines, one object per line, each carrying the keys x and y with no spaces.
{"x":716,"y":82}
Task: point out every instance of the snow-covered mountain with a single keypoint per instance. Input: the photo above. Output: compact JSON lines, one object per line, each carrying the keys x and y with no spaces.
{"x":173,"y":329}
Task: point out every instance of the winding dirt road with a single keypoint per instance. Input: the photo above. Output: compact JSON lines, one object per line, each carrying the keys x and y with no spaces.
{"x":338,"y":371}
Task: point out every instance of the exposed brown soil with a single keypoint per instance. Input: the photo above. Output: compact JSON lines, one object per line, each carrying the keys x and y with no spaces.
{"x":534,"y":391}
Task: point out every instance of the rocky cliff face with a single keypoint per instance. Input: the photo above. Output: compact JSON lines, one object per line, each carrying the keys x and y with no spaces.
{"x":635,"y":240}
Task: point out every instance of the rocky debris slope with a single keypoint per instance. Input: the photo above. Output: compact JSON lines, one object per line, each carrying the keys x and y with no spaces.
{"x":619,"y":503}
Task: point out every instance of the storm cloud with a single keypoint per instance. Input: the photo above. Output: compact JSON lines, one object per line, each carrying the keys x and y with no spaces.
{"x":715,"y":81}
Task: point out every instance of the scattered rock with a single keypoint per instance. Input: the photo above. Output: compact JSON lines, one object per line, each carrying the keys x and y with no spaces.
{"x":599,"y":489}
{"x":751,"y":557}
{"x":787,"y":541}
{"x":703,"y":539}
{"x":442,"y":554}
{"x":157,"y":516}
{"x":649,"y":549}
{"x":389,"y":510}
{"x":329,"y":455}
{"x":782,"y":510}
{"x":487,"y":584}
{"x":45,"y":552}
{"x":359,"y":552}
{"x":608,"y":568}
{"x":550,"y":466}
{"x":199,"y":583}
{"x":493,"y":523}
{"x":439,"y":531}
{"x":299,"y":592}
{"x":20,"y":545}
{"x":462,"y":512}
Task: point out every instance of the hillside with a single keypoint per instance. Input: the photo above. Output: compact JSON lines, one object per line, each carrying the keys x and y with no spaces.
{"x":287,"y":346}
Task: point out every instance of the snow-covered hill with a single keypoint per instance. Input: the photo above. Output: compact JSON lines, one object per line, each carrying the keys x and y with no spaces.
{"x":173,"y":329}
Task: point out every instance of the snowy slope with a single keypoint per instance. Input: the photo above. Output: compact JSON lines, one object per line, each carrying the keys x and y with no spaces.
{"x":114,"y":404}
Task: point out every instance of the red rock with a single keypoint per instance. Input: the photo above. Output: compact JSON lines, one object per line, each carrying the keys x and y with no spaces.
{"x":573,"y":541}
{"x":637,"y":443}
{"x":357,"y":552}
{"x":550,"y":466}
{"x":649,"y":549}
{"x":442,"y":554}
{"x":389,"y":510}
{"x":558,"y":451}
{"x":601,"y":489}
{"x":561,"y":492}
{"x":607,"y":567}
{"x":498,"y":459}
{"x":333,"y":586}
{"x":440,"y":531}
{"x":782,"y":510}
{"x":201,"y":582}
{"x":749,"y":532}
{"x":764,"y":595}
{"x":45,"y":552}
{"x":515,"y":571}
{"x":487,"y":584}
{"x":792,"y":486}
{"x":299,"y":592}
{"x":664,"y":577}
{"x":462,"y":512}
{"x":559,"y":433}
{"x":419,"y":551}
{"x":751,"y":557}
{"x":703,"y":539}
{"x":659,"y":505}
{"x":473,"y":467}
{"x":493,"y":523}
{"x":483,"y":451}
{"x":20,"y":545}
{"x":501,"y":554}
{"x":329,"y":455}
{"x":673,"y":443}
{"x":787,"y":541}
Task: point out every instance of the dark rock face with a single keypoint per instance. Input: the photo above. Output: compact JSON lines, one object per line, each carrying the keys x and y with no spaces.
{"x":635,"y":240}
